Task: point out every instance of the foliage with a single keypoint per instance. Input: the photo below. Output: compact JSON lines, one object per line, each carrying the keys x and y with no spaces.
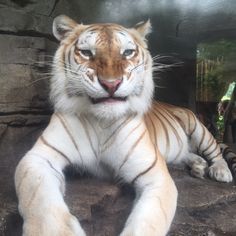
{"x":223,"y":48}
{"x":219,"y":67}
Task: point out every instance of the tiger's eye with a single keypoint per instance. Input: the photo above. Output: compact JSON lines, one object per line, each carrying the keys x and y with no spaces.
{"x":86,"y":52}
{"x":128,"y":52}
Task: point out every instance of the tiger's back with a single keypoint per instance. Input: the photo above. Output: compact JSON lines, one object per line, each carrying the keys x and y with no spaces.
{"x":182,"y":138}
{"x":166,"y":132}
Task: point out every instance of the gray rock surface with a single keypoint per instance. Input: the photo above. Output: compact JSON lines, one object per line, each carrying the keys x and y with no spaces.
{"x":24,"y":67}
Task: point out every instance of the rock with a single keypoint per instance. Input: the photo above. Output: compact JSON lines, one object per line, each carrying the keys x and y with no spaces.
{"x":102,"y":207}
{"x":22,"y":22}
{"x":205,"y":207}
{"x":25,"y":50}
{"x":17,"y":135}
{"x":24,"y":67}
{"x":22,"y":89}
{"x":43,"y":7}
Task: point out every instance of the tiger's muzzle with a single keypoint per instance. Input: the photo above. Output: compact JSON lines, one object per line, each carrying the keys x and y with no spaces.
{"x":110,"y":86}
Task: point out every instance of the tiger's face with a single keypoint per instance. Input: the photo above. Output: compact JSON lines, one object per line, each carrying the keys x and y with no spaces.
{"x":101,"y":69}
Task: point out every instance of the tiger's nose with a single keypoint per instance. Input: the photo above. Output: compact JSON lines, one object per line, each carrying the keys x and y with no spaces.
{"x":110,"y":86}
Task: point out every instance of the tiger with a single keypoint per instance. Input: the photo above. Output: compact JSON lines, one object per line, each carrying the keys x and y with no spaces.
{"x":107,"y":123}
{"x":230,"y":156}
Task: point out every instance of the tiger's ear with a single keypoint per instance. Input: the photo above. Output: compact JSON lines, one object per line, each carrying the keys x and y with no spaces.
{"x":62,"y":25}
{"x":144,"y":28}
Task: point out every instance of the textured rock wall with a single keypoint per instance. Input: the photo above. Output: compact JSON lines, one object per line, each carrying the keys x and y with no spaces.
{"x":25,"y":45}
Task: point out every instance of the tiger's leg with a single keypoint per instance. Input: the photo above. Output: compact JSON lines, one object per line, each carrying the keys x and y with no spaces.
{"x":219,"y":170}
{"x":40,"y":189}
{"x":40,"y":186}
{"x":208,"y":148}
{"x":198,"y":166}
{"x":156,"y":198}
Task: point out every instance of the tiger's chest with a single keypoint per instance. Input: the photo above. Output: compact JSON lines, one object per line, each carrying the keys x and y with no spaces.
{"x":114,"y":140}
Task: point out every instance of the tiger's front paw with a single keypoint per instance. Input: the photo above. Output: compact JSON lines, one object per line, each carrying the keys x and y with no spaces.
{"x":53,"y":225}
{"x":144,"y":230}
{"x":220,"y":171}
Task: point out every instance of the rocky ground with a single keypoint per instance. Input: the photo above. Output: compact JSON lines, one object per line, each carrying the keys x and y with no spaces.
{"x":205,"y":207}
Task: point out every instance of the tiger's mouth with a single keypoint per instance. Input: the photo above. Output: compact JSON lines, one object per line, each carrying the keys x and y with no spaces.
{"x":108,"y":99}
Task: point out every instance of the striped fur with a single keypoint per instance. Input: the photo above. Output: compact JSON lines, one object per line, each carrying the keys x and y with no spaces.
{"x":230,"y":157}
{"x":106,"y":123}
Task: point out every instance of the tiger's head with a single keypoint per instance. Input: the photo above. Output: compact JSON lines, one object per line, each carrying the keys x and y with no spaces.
{"x":101,"y":69}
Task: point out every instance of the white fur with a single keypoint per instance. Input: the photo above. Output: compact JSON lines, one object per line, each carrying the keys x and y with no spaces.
{"x":126,"y":41}
{"x":139,"y":88}
{"x":87,"y":40}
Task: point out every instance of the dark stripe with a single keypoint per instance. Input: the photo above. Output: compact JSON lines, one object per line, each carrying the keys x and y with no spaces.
{"x":165,"y":131}
{"x":165,"y":109}
{"x":63,"y":122}
{"x":62,"y":61}
{"x":165,"y":114}
{"x":118,"y":129}
{"x":135,"y":128}
{"x":34,"y":194}
{"x":181,"y":123}
{"x":69,"y":59}
{"x":91,"y":125}
{"x":226,"y":151}
{"x":154,"y":130}
{"x":210,"y":142}
{"x":211,"y":158}
{"x":109,"y":125}
{"x":132,"y":149}
{"x":163,"y":210}
{"x":230,"y":157}
{"x":88,"y":136}
{"x":178,"y":138}
{"x":195,"y":126}
{"x":90,"y":76}
{"x":202,"y":138}
{"x":173,"y":128}
{"x":148,"y":169}
{"x":60,"y":177}
{"x":52,"y":167}
{"x":189,"y":122}
{"x":65,"y":62}
{"x":207,"y":155}
{"x":55,"y":149}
